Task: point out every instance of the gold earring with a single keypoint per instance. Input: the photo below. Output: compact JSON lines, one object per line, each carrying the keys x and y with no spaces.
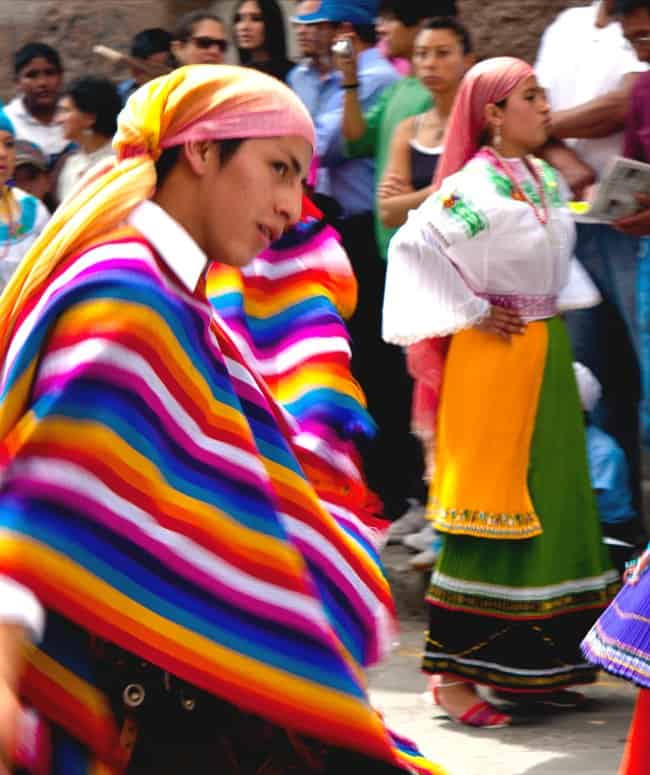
{"x":496,"y":140}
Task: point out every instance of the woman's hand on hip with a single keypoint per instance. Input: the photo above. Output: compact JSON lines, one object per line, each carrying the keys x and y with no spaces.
{"x":502,"y":322}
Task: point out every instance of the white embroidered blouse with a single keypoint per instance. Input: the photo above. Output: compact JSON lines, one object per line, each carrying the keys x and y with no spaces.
{"x":476,"y":239}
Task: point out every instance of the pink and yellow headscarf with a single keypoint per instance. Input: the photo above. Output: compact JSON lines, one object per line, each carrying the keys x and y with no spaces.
{"x":198,"y":102}
{"x":487,"y":82}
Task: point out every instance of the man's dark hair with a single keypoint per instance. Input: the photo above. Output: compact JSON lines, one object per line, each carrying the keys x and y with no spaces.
{"x":150,"y":41}
{"x":623,"y":7}
{"x":275,"y":35}
{"x":169,"y":157}
{"x":452,"y":24}
{"x":366,"y":33}
{"x":412,"y":12}
{"x":36,"y":50}
{"x":98,"y":96}
{"x":186,"y":24}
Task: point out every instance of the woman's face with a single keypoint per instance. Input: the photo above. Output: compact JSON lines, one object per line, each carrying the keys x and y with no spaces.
{"x":7,"y":156}
{"x":439,"y":60}
{"x":525,"y":119}
{"x":249,"y":26}
{"x":262,"y":184}
{"x":207,"y":45}
{"x":72,"y":120}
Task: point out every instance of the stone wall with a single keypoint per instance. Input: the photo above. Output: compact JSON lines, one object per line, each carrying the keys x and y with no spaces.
{"x":74,"y":26}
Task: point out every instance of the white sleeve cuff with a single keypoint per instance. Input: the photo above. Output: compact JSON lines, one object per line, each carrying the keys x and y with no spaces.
{"x":19,"y":605}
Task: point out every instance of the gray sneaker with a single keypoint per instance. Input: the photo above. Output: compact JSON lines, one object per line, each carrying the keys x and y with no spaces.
{"x":412,"y":521}
{"x":422,"y":540}
{"x":423,"y":560}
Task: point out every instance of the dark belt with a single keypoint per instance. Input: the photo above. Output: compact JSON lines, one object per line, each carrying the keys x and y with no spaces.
{"x":157,"y":711}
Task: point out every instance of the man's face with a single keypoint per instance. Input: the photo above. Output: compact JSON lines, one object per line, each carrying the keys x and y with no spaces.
{"x":159,"y":59}
{"x":262,"y":184}
{"x":40,"y":83}
{"x":306,"y":36}
{"x":636,"y":29}
{"x":397,"y":38}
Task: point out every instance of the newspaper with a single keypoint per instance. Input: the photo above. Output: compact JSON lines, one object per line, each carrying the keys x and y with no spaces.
{"x":616,"y":193}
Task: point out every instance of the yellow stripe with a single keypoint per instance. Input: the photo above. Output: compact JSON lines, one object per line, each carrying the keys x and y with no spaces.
{"x":102,"y":600}
{"x":143,"y":475}
{"x":108,"y":316}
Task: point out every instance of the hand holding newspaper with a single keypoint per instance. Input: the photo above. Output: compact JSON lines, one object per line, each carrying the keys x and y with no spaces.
{"x":615,"y":195}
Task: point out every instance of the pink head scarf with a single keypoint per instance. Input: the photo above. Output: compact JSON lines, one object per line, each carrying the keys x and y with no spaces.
{"x":209,"y":102}
{"x":489,"y":81}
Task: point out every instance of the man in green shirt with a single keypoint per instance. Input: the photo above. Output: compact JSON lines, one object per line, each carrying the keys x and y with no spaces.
{"x":371,"y":134}
{"x":393,"y":463}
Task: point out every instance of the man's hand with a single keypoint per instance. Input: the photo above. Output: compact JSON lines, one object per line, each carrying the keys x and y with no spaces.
{"x":393,"y":185}
{"x":9,"y":714}
{"x":12,"y":646}
{"x":502,"y":322}
{"x":637,"y":225}
{"x":347,"y":64}
{"x":637,"y":568}
{"x":578,"y":175}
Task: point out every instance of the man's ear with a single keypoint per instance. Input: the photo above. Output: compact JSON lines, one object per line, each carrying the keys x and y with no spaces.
{"x":200,"y":154}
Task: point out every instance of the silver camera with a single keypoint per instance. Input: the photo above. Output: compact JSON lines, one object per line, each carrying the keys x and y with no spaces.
{"x":343,"y":48}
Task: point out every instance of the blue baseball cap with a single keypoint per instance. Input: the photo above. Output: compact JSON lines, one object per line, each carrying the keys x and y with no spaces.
{"x":352,"y":11}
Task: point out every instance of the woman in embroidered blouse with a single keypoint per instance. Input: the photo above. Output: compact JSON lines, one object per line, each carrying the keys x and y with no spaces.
{"x":487,"y":260}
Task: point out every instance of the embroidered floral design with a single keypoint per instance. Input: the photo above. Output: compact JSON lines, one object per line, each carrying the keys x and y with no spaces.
{"x":472,"y":219}
{"x":484,"y":524}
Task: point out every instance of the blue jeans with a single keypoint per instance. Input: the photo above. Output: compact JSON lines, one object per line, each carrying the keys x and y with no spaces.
{"x":606,"y":338}
{"x":643,"y":312}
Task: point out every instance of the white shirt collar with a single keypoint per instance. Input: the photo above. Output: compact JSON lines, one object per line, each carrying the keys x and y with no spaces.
{"x":175,"y":246}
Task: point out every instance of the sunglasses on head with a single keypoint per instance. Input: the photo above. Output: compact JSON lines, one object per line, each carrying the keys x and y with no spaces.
{"x":206,"y":42}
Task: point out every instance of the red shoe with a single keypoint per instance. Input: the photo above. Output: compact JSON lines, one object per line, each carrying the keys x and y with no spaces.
{"x":481,"y":714}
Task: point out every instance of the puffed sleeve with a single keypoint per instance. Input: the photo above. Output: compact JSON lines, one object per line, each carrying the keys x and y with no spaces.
{"x":579,"y":292}
{"x":426,"y":296}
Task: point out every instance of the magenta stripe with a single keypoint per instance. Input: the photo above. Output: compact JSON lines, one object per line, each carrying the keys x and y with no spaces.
{"x":134,"y":384}
{"x":349,"y":589}
{"x":312,"y":243}
{"x":330,"y":332}
{"x":232,"y":595}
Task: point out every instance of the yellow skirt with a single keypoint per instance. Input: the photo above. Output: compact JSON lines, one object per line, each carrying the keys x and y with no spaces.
{"x":486,"y":420}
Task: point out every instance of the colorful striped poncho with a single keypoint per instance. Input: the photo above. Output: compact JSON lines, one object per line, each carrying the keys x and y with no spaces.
{"x":153,"y":495}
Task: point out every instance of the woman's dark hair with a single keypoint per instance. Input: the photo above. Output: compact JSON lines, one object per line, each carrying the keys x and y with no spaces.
{"x":275,"y":36}
{"x":186,"y":24}
{"x":413,"y":12}
{"x":99,"y":97}
{"x":169,"y":157}
{"x":30,"y":51}
{"x":622,"y":7}
{"x":152,"y":41}
{"x":451,"y":24}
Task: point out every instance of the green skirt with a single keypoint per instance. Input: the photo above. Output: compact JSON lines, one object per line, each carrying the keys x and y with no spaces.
{"x":512,"y":613}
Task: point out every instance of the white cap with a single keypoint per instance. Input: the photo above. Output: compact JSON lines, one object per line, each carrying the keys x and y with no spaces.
{"x":588,"y":386}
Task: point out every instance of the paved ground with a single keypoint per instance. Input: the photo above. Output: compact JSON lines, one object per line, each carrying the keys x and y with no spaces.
{"x":570,"y":743}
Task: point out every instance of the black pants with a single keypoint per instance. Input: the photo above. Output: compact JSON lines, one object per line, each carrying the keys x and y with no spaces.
{"x":393,"y":461}
{"x":217,"y":739}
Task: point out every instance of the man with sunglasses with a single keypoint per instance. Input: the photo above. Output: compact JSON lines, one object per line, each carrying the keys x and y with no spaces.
{"x":200,"y":39}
